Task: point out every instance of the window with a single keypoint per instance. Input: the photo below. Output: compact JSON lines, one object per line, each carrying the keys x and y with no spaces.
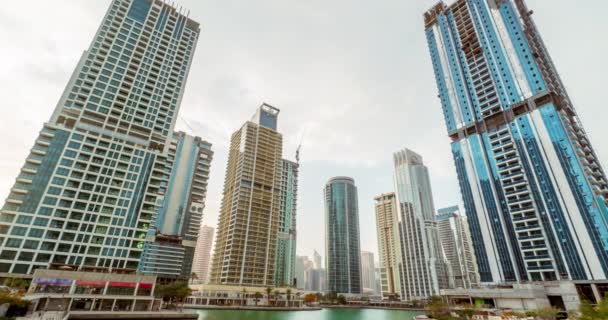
{"x":18,"y":231}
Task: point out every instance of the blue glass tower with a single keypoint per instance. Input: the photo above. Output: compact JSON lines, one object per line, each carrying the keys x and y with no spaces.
{"x":342,"y":248}
{"x":533,"y":188}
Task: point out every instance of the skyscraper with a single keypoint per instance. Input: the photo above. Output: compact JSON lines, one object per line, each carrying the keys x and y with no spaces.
{"x":386,"y":219}
{"x":457,"y":247}
{"x":421,"y":268}
{"x":303,"y":265}
{"x":202,"y":256}
{"x":245,"y":246}
{"x":533,"y":188}
{"x":368,"y":271}
{"x":171,"y":239}
{"x":286,"y":239}
{"x":316,"y":259}
{"x":88,"y":191}
{"x":342,"y":249}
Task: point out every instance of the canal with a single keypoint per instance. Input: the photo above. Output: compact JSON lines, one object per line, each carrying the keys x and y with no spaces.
{"x":325,"y":314}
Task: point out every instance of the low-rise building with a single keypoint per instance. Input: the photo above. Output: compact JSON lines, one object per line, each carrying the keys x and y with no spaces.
{"x":224,"y":295}
{"x":61,"y":290}
{"x":562,"y":295}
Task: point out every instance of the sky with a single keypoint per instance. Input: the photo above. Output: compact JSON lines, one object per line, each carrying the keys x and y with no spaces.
{"x":353,"y":80}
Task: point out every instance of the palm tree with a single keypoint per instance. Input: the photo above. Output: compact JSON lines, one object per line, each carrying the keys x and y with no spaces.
{"x":288,"y":293}
{"x":268,"y":292}
{"x":243,"y":296}
{"x":257,"y":296}
{"x":193,"y":277}
{"x":276,"y":296}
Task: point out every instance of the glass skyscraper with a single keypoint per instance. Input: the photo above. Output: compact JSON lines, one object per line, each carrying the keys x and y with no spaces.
{"x":89,"y":189}
{"x":286,"y":239}
{"x":457,"y":247}
{"x":342,"y":248}
{"x":533,"y":188}
{"x":420,"y":268}
{"x":171,"y":238}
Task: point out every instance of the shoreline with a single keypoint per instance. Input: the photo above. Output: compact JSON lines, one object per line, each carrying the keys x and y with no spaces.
{"x":319,"y":308}
{"x":331,"y":306}
{"x":250,"y":308}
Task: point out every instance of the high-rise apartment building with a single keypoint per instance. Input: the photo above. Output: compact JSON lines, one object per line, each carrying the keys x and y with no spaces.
{"x":171,"y":238}
{"x":317,"y":260}
{"x":457,"y":247}
{"x":89,"y":189}
{"x":202,"y":255}
{"x":286,"y":239}
{"x":421,"y":268}
{"x":302,"y":268}
{"x":534,"y":191}
{"x":246,"y":241}
{"x":315,"y":280}
{"x":368,"y":272}
{"x":386,"y":220}
{"x":342,"y":248}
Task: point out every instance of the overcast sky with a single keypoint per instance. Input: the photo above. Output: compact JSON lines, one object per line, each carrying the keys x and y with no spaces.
{"x":352,"y":78}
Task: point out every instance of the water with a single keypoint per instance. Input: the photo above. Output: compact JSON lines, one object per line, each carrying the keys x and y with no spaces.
{"x":325,"y":314}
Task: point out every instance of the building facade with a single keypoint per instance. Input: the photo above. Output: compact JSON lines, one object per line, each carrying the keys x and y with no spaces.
{"x":286,"y":239}
{"x":246,"y":240}
{"x":457,"y":247}
{"x":202,"y":255}
{"x":368,"y":272}
{"x":533,"y":189}
{"x":342,"y":248}
{"x":315,"y":280}
{"x":171,"y":240}
{"x":386,"y":218}
{"x":421,"y":268}
{"x":88,"y":192}
{"x":303,"y":265}
{"x":317,"y":260}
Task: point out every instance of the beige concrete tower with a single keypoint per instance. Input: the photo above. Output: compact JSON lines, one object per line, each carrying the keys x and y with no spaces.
{"x":249,"y":218}
{"x":386,"y":210}
{"x":202,"y":255}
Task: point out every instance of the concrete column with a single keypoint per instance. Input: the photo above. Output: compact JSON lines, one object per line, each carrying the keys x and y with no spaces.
{"x":92,"y":304}
{"x":113,"y":304}
{"x":596,"y":293}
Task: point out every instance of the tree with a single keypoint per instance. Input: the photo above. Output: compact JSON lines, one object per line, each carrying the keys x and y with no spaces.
{"x":268,"y":292}
{"x":17,"y":306}
{"x":310,"y":298}
{"x":288,"y":294}
{"x":341,"y":299}
{"x":193,"y":276}
{"x":589,"y":312}
{"x":258,"y":296}
{"x":277,"y":294}
{"x":243,"y":295}
{"x":467,"y":312}
{"x":16,"y":283}
{"x":173,"y":293}
{"x":437,"y":308}
{"x":548,"y":313}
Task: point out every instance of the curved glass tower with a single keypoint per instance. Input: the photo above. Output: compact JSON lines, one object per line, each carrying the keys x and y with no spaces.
{"x":342,"y":250}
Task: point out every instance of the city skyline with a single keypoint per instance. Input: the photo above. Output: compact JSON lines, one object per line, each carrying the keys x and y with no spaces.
{"x":11,"y":166}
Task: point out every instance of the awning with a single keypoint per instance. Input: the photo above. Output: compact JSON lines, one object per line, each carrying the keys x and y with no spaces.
{"x":122,"y":284}
{"x":146,"y":285}
{"x":86,"y":283}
